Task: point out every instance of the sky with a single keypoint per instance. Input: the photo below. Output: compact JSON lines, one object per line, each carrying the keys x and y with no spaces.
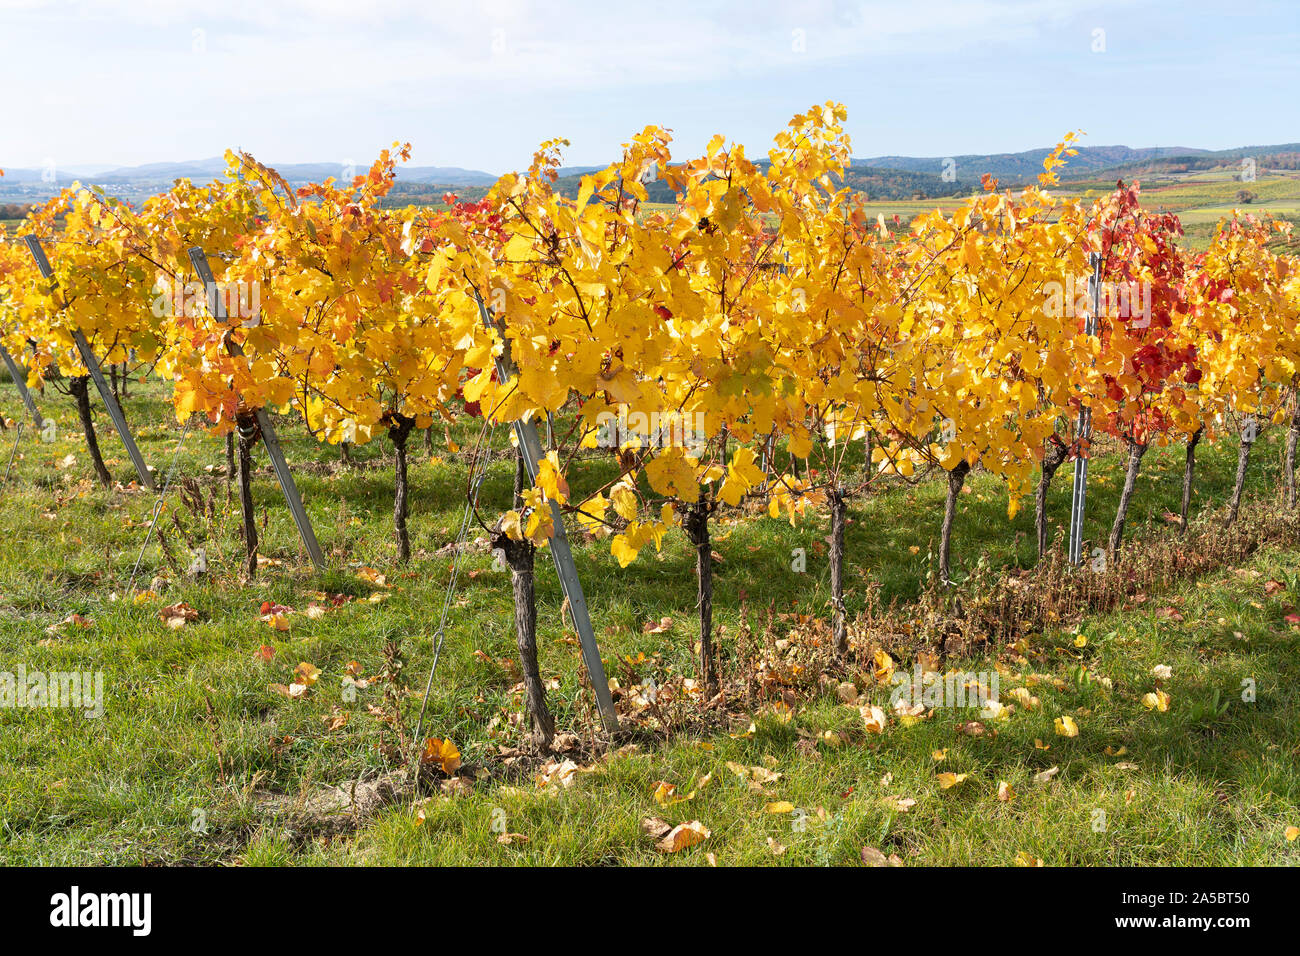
{"x":480,"y":84}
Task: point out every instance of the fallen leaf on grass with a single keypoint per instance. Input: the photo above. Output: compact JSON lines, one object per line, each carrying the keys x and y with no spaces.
{"x":1006,"y":793}
{"x":1066,"y":727}
{"x":1156,"y":701}
{"x":995,"y":710}
{"x":949,"y":780}
{"x":441,"y":752}
{"x":884,"y":669}
{"x":874,"y":719}
{"x":373,"y":577}
{"x":665,"y":794}
{"x":1026,"y":700}
{"x":176,"y":616}
{"x":873,"y":857}
{"x":306,"y":673}
{"x":1046,"y":775}
{"x":562,"y":773}
{"x":420,"y":816}
{"x":673,"y":839}
{"x":275,"y":616}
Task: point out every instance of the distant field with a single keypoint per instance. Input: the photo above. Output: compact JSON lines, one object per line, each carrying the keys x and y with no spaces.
{"x":1200,"y":199}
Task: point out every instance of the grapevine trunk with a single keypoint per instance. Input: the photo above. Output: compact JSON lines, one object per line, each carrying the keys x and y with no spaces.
{"x":1135,"y":452}
{"x":80,"y":387}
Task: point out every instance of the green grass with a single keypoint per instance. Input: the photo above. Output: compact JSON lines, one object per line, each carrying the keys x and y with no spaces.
{"x":124,"y":788}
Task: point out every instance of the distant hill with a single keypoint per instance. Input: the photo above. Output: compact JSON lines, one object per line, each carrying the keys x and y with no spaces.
{"x":880,"y":177}
{"x":207,"y":169}
{"x":1016,"y":168}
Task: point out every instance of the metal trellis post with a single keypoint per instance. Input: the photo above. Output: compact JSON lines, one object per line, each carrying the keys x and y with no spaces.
{"x":20,"y":380}
{"x":199,"y":260}
{"x":1084,"y":430}
{"x":92,"y":366}
{"x":530,"y":446}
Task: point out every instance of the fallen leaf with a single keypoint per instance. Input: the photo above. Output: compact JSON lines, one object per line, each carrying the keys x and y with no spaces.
{"x":1066,"y":727}
{"x":873,"y":718}
{"x":441,"y":752}
{"x":1156,"y":701}
{"x":374,"y":577}
{"x":682,"y":836}
{"x":873,"y":857}
{"x":949,"y":780}
{"x":306,"y":673}
{"x":176,"y":616}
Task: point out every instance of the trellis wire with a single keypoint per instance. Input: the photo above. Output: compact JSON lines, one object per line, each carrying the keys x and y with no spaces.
{"x":157,"y":505}
{"x":478,"y":472}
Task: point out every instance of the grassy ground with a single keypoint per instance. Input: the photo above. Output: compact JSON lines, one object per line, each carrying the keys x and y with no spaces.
{"x":197,"y":759}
